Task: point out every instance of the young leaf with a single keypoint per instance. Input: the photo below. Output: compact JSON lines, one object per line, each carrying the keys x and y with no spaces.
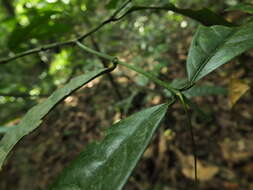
{"x":244,"y":7}
{"x":34,"y":116}
{"x":107,"y":165}
{"x":216,"y":45}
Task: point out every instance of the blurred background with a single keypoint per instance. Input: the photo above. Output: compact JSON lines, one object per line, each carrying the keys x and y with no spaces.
{"x":157,"y":41}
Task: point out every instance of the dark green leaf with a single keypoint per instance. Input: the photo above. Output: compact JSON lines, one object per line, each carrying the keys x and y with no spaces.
{"x":34,"y":116}
{"x":216,"y":45}
{"x":205,"y":90}
{"x":197,"y":90}
{"x":244,"y":7}
{"x":204,"y":16}
{"x":21,"y":34}
{"x":107,"y":165}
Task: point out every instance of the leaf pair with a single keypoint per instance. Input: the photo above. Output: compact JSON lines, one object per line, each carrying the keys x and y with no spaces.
{"x":214,"y":46}
{"x":105,"y":165}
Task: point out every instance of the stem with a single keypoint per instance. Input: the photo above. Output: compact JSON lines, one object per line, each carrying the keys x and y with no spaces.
{"x":92,"y":51}
{"x":189,"y":125}
{"x":134,"y":68}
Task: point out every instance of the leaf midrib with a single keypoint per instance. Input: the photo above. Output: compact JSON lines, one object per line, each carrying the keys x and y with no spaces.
{"x":231,"y":34}
{"x":125,"y":140}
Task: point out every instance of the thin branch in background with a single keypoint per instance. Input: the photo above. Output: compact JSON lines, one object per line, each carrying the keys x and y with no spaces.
{"x":65,"y":43}
{"x":186,"y":12}
{"x":193,"y":14}
{"x":37,"y":50}
{"x":114,"y":84}
{"x":123,"y":6}
{"x":23,"y":95}
{"x":73,"y":72}
{"x":109,"y":20}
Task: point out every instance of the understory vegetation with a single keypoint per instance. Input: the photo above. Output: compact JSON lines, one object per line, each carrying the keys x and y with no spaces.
{"x":126,"y":94}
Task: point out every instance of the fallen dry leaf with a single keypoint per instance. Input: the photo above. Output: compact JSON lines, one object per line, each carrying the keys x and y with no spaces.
{"x":205,"y":172}
{"x":237,"y":88}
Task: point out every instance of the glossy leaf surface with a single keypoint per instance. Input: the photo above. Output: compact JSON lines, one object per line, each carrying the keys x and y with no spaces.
{"x":34,"y":116}
{"x":216,"y":45}
{"x":107,"y":165}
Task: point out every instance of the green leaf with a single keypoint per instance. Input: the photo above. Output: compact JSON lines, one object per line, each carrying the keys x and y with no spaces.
{"x":197,"y":90}
{"x":204,"y":16}
{"x":205,"y":90}
{"x":34,"y":116}
{"x":5,"y":129}
{"x":214,"y":46}
{"x":21,"y":34}
{"x":108,"y":165}
{"x":244,"y":7}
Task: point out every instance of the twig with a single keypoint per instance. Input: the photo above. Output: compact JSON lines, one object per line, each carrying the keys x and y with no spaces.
{"x":112,"y":18}
{"x":189,"y":125}
{"x":37,"y":50}
{"x":194,"y":14}
{"x":22,"y":95}
{"x":120,"y":9}
{"x":132,"y":67}
{"x":73,"y":72}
